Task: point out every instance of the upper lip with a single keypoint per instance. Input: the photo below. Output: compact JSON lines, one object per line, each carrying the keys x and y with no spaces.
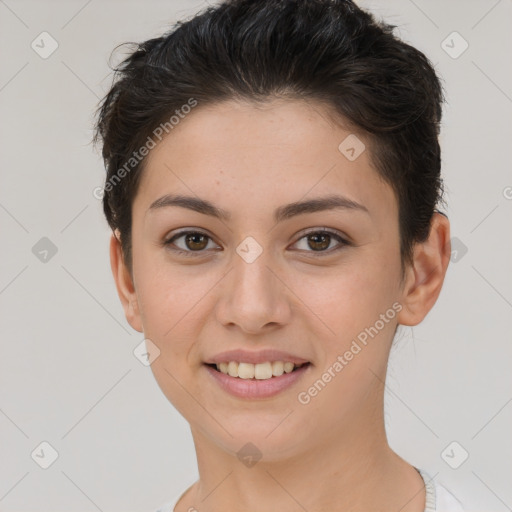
{"x":255,"y":357}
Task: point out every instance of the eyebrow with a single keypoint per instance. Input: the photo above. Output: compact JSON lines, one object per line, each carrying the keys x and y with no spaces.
{"x":282,"y":213}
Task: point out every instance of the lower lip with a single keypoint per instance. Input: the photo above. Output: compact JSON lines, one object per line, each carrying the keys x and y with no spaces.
{"x":256,"y":388}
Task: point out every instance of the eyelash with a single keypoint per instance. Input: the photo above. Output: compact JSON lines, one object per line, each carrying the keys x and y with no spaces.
{"x":313,"y":231}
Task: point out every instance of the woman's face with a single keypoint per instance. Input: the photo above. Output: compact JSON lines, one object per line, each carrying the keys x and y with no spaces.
{"x":266,"y":276}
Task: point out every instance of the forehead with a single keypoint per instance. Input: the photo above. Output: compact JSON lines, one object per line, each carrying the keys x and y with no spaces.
{"x":270,"y":153}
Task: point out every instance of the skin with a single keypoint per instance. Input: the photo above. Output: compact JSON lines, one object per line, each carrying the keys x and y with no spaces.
{"x":331,"y":454}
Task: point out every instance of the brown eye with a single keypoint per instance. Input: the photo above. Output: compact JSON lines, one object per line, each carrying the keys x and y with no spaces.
{"x":321,"y":241}
{"x":190,"y":242}
{"x":196,"y":241}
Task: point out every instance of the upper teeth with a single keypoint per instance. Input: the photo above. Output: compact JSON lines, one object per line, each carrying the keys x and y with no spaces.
{"x":259,"y":371}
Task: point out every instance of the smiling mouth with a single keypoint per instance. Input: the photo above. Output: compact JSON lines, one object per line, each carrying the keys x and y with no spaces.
{"x":260,"y":371}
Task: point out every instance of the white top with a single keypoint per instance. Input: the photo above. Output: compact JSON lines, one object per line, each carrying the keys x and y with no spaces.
{"x":438,"y":498}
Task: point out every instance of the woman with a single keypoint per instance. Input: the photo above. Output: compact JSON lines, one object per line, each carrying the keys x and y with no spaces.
{"x":273,"y":173}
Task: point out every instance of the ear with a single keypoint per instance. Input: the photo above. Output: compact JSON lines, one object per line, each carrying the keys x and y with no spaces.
{"x":124,"y":284}
{"x":424,"y":279}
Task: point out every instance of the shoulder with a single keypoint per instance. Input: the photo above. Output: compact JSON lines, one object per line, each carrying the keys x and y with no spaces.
{"x":167,"y":507}
{"x":438,"y":497}
{"x":446,"y":501}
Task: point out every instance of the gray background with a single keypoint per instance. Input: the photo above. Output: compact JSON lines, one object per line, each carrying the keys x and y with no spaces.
{"x":68,"y":375}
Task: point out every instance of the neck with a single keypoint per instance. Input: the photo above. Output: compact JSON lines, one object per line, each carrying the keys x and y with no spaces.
{"x":352,"y":469}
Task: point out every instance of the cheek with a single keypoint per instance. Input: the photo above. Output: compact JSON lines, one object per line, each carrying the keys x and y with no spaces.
{"x":348,"y":302}
{"x":163,"y":302}
{"x":350,"y":296}
{"x":171,"y":299}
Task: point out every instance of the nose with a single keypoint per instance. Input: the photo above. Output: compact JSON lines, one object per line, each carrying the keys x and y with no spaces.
{"x":254,"y":297}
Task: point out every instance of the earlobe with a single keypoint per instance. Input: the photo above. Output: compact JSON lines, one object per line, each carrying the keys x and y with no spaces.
{"x":425,"y":278}
{"x":124,"y":284}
